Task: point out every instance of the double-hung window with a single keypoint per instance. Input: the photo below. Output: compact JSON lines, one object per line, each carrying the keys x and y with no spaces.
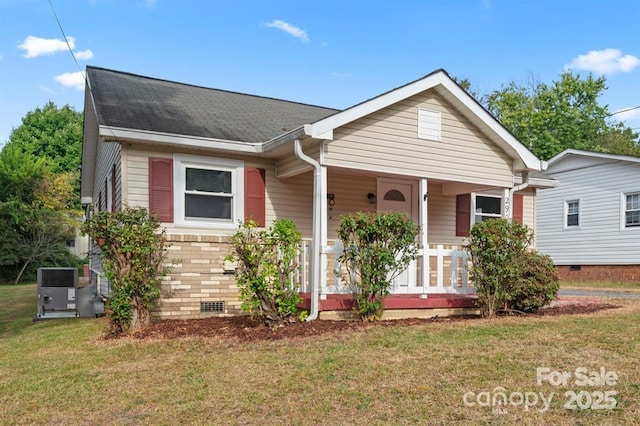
{"x":208,"y":191}
{"x":572,"y":213}
{"x":631,"y":210}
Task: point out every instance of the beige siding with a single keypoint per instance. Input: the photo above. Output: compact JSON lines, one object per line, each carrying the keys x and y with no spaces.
{"x":285,"y":198}
{"x":290,"y":165}
{"x":441,"y":217}
{"x":350,"y":192}
{"x":387,"y":142}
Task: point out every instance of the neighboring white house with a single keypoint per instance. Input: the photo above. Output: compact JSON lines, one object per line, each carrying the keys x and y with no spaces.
{"x":590,"y":223}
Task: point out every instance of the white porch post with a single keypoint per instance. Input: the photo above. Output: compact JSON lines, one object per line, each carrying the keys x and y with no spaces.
{"x":322,"y":270}
{"x":507,"y":208}
{"x":423,"y":202}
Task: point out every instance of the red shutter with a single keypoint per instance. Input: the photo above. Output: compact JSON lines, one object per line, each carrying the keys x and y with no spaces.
{"x":463,"y":215}
{"x":113,"y":188}
{"x":254,"y":195}
{"x":161,"y":188}
{"x":518,"y":208}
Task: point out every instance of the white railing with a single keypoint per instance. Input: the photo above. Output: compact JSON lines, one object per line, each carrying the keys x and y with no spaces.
{"x":447,"y":270}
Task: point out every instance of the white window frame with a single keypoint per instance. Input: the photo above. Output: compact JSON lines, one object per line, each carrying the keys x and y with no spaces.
{"x":623,"y":211}
{"x":183,"y":161}
{"x":474,"y":212}
{"x":566,"y":214}
{"x":429,"y":124}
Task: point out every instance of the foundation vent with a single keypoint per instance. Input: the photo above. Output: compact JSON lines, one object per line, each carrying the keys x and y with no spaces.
{"x":216,"y":307}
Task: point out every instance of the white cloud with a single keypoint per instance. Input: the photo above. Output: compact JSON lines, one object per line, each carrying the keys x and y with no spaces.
{"x":607,"y":61}
{"x":83,"y":55}
{"x":289,"y":29}
{"x":149,"y":4}
{"x":71,"y":79}
{"x":36,"y":46}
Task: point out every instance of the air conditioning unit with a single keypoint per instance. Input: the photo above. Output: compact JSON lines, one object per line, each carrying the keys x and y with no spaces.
{"x":57,"y":288}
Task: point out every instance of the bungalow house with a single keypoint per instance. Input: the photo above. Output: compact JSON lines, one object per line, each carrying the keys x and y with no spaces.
{"x":205,"y":159}
{"x":590,"y":223}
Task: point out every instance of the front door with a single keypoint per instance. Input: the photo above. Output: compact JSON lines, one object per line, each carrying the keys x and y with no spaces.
{"x":396,"y":195}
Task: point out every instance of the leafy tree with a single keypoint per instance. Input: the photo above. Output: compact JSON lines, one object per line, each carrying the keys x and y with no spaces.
{"x":35,"y":213}
{"x":55,"y":135}
{"x":565,"y":114}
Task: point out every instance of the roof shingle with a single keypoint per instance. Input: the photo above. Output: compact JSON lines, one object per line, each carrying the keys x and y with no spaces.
{"x":142,"y":103}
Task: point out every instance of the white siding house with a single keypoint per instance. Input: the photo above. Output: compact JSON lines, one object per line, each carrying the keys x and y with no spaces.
{"x":590,"y":223}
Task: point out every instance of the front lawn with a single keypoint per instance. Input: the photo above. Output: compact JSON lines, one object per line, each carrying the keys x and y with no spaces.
{"x":63,"y":372}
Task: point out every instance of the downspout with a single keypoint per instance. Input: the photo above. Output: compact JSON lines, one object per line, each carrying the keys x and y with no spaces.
{"x":523,"y":185}
{"x":316,"y":245}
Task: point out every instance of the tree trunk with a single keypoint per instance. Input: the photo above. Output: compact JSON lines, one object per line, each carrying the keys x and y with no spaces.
{"x":22,"y":271}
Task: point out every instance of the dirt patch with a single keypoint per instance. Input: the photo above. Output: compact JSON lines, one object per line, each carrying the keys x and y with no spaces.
{"x":244,"y":329}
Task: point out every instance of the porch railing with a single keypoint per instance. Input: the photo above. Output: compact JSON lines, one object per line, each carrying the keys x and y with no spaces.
{"x":447,"y":270}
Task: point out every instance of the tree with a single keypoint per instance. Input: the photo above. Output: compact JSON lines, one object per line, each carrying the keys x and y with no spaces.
{"x":36,"y":214}
{"x":55,"y":135}
{"x":566,"y":114}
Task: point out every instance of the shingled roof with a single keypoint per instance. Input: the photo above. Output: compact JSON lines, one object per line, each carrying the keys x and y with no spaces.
{"x":136,"y":102}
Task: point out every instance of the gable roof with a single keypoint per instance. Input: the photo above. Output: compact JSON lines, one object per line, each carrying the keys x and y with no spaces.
{"x":568,"y":153}
{"x":128,"y":101}
{"x":443,"y":84}
{"x":143,"y":108}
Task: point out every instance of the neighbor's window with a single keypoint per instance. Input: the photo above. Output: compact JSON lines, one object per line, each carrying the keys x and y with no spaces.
{"x":488,"y":208}
{"x":632,"y":210}
{"x":208,"y":191}
{"x":572,"y":215}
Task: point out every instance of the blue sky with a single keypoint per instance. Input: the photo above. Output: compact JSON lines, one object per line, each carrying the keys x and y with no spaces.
{"x":323,"y":52}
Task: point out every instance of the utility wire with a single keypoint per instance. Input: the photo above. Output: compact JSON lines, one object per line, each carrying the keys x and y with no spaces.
{"x":66,"y":39}
{"x":624,"y":110}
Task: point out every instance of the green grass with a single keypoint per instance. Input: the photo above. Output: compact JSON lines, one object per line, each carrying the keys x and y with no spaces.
{"x":602,"y":285}
{"x":62,"y":372}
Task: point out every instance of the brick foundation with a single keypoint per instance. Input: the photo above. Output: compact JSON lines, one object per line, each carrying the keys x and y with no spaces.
{"x":199,"y":274}
{"x":625,"y":273}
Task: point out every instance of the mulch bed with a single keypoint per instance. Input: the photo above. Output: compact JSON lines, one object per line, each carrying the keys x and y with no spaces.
{"x":244,"y":329}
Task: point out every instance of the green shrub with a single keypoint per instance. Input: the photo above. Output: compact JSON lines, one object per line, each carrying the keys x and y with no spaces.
{"x":495,"y":246}
{"x":267,"y":260}
{"x":506,"y":273}
{"x":537,"y":285}
{"x":377,"y":248}
{"x":132,"y":248}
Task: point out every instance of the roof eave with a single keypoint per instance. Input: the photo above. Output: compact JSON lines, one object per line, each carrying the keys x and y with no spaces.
{"x":118,"y":134}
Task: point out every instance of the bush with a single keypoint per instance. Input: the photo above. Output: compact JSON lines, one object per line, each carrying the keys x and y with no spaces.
{"x":506,"y":274}
{"x":267,"y":260}
{"x":537,"y":285}
{"x":132,"y":247}
{"x":377,"y":248}
{"x":495,"y":246}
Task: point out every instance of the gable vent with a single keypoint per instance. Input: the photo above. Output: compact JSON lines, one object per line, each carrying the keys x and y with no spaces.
{"x":217,"y":307}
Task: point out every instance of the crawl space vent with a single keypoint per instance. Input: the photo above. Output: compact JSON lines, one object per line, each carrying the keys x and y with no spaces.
{"x":217,"y":307}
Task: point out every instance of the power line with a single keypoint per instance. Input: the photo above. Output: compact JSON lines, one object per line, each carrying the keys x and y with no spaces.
{"x":624,"y":110}
{"x":66,"y":40}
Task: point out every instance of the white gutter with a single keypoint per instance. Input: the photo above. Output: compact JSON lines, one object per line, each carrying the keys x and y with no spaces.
{"x":523,"y":185}
{"x":316,"y":244}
